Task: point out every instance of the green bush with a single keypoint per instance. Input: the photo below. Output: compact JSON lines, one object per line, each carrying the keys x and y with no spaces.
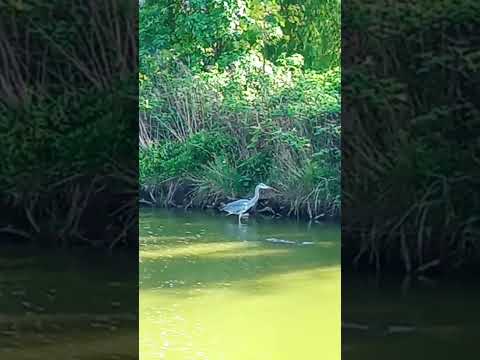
{"x":230,"y":99}
{"x":246,"y":126}
{"x":169,"y":159}
{"x":415,"y":121}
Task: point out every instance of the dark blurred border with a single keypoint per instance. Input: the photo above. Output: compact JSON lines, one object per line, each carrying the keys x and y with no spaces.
{"x":69,"y":179}
{"x":410,"y":177}
{"x":410,"y":134}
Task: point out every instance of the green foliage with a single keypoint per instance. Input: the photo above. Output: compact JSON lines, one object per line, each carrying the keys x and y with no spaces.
{"x":310,"y":28}
{"x":417,"y":116}
{"x":199,"y":33}
{"x":32,"y":143}
{"x":219,"y":179}
{"x":67,"y":97}
{"x":217,"y":33}
{"x":250,"y":120}
{"x":169,"y":159}
{"x":231,"y":95}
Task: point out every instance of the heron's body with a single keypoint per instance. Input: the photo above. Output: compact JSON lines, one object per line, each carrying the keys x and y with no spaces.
{"x":240,"y":207}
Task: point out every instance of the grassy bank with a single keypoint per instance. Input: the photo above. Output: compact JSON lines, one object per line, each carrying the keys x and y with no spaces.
{"x":213,"y":137}
{"x":215,"y":124}
{"x":66,"y":103}
{"x":410,"y":150}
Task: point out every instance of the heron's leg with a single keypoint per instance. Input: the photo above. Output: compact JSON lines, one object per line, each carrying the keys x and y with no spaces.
{"x":239,"y":219}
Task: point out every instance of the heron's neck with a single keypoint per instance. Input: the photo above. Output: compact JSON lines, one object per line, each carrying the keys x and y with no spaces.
{"x":257,"y":194}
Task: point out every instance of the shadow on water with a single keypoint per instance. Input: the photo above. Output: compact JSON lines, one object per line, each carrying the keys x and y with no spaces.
{"x":63,"y":282}
{"x":205,"y":251}
{"x":205,"y":270}
{"x":211,"y":289}
{"x":220,"y":227}
{"x":63,"y":305}
{"x":425,"y":318}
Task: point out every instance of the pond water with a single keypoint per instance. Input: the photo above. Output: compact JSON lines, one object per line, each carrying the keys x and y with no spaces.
{"x":64,"y":305}
{"x":215,"y":290}
{"x":410,"y":318}
{"x":211,"y":289}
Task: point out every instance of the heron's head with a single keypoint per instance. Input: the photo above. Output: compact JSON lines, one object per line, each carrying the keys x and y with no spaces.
{"x":263,"y":186}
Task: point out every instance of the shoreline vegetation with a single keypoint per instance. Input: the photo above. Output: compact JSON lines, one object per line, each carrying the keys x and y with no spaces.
{"x":249,"y":96}
{"x":410,"y":137}
{"x":213,"y":154}
{"x":235,"y":93}
{"x":68,"y":94}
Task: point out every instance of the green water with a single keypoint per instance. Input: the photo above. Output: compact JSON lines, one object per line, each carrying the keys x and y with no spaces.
{"x":213,"y":290}
{"x":410,"y":318}
{"x":61,"y":305}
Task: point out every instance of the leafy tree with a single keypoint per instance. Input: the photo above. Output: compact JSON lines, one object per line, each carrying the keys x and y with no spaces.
{"x":206,"y":33}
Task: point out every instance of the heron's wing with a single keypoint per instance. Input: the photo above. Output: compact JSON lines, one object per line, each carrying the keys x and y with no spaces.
{"x":238,"y":205}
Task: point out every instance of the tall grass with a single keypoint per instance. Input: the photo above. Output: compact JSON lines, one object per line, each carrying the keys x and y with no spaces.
{"x":67,"y":87}
{"x":410,"y":194}
{"x":217,"y":134}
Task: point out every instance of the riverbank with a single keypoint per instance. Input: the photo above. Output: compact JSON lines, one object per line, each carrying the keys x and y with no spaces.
{"x":82,"y":213}
{"x":204,"y":142}
{"x":259,"y":103}
{"x":269,"y":205}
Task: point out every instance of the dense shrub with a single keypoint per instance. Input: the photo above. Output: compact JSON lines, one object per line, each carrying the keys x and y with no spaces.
{"x":67,"y":98}
{"x":410,"y":146}
{"x":223,"y":131}
{"x":233,"y":93}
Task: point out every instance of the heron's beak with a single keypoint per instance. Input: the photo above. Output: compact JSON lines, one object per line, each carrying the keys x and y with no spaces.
{"x":271,"y":188}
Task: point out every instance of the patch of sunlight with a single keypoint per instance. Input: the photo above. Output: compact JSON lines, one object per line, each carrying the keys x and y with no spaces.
{"x":295,"y":275}
{"x":328,"y":277}
{"x":260,"y":308}
{"x":201,"y":249}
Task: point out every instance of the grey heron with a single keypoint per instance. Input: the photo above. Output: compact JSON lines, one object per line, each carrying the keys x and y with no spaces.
{"x":240,"y":207}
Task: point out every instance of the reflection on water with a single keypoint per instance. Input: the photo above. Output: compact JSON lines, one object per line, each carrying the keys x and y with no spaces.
{"x":211,"y":289}
{"x":66,"y":306}
{"x":409,"y":318}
